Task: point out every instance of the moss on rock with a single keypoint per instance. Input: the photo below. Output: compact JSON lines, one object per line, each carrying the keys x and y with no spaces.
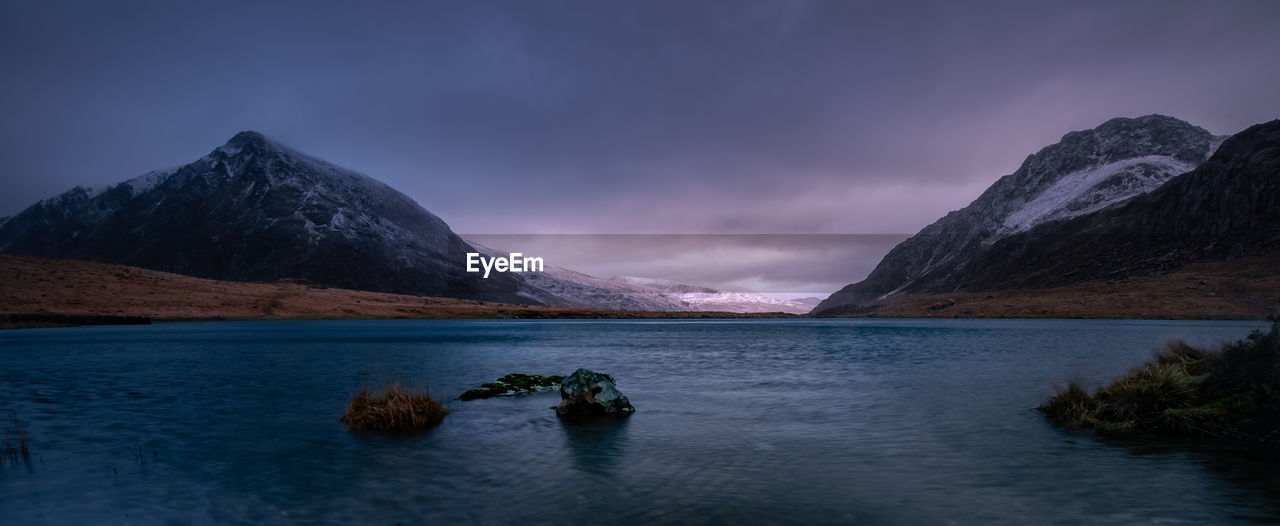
{"x":513,"y":384}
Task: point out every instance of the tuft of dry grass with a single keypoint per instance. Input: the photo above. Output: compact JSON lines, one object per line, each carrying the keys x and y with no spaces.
{"x":1070,"y":406}
{"x":1233,"y":392}
{"x":393,"y":409}
{"x":13,"y":451}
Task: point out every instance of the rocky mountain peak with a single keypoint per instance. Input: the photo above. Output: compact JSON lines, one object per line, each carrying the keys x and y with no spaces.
{"x":248,"y":137}
{"x":255,"y":210}
{"x":249,"y":144}
{"x":1084,"y":172}
{"x":1120,"y":139}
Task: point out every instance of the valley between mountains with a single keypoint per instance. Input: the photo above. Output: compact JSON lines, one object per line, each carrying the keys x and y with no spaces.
{"x":1148,"y":217}
{"x":55,"y":291}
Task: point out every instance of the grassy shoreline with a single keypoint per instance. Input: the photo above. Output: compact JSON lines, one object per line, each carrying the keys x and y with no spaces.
{"x":1245,"y":289}
{"x":1232,"y":392}
{"x":61,"y":287}
{"x":44,"y":287}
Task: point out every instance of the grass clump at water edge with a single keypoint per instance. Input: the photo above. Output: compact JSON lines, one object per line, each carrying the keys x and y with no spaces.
{"x":393,"y":409}
{"x":1232,"y":392}
{"x":15,"y":442}
{"x":12,"y":450}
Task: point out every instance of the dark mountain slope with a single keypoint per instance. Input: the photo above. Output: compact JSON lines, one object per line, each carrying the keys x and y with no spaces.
{"x":1084,"y":172}
{"x":1227,"y":208}
{"x":254,"y":210}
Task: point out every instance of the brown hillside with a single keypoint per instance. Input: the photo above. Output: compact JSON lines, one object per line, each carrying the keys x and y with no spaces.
{"x":1245,"y":289}
{"x":32,"y":285}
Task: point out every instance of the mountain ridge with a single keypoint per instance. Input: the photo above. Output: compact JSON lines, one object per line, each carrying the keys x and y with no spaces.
{"x":254,"y":209}
{"x":1226,"y":207}
{"x":1113,"y":162}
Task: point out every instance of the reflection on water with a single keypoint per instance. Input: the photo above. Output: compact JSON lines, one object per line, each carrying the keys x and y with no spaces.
{"x":750,"y":421}
{"x":1251,"y":472}
{"x":596,"y":444}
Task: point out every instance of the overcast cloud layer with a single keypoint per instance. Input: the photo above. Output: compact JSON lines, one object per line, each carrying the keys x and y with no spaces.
{"x":836,"y":117}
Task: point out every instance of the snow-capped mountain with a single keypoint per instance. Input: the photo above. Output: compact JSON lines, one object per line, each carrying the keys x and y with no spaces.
{"x":1226,"y":209}
{"x":255,"y":210}
{"x":562,"y":287}
{"x":1087,"y":171}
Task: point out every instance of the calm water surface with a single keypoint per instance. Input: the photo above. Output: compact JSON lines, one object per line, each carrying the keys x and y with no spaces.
{"x":751,"y":421}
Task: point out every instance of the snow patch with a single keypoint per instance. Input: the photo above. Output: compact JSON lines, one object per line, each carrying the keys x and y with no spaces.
{"x":1084,"y":191}
{"x":338,"y":221}
{"x":1216,"y":143}
{"x":149,"y":180}
{"x":229,"y":150}
{"x":741,"y":302}
{"x":662,"y":285}
{"x":92,"y":192}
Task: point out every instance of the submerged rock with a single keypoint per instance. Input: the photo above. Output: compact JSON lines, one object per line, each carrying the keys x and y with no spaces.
{"x":588,"y":393}
{"x":513,"y":384}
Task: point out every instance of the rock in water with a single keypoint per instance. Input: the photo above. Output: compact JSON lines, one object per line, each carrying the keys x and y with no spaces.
{"x":588,"y":393}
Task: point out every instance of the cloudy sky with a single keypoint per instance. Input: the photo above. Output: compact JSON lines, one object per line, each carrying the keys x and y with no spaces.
{"x":738,"y":117}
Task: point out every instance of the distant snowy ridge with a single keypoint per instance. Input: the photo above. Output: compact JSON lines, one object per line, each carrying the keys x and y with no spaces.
{"x":149,"y":180}
{"x":663,"y":285}
{"x":568,"y":288}
{"x":741,"y":302}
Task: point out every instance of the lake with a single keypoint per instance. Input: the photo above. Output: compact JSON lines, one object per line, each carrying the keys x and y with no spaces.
{"x":794,"y":421}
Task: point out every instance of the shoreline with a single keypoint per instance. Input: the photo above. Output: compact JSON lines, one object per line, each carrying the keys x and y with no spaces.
{"x":16,"y":321}
{"x":61,"y":292}
{"x":1244,"y":289}
{"x":7,"y":326}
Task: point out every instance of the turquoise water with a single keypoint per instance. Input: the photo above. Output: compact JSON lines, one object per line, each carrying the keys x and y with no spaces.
{"x":743,"y":421}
